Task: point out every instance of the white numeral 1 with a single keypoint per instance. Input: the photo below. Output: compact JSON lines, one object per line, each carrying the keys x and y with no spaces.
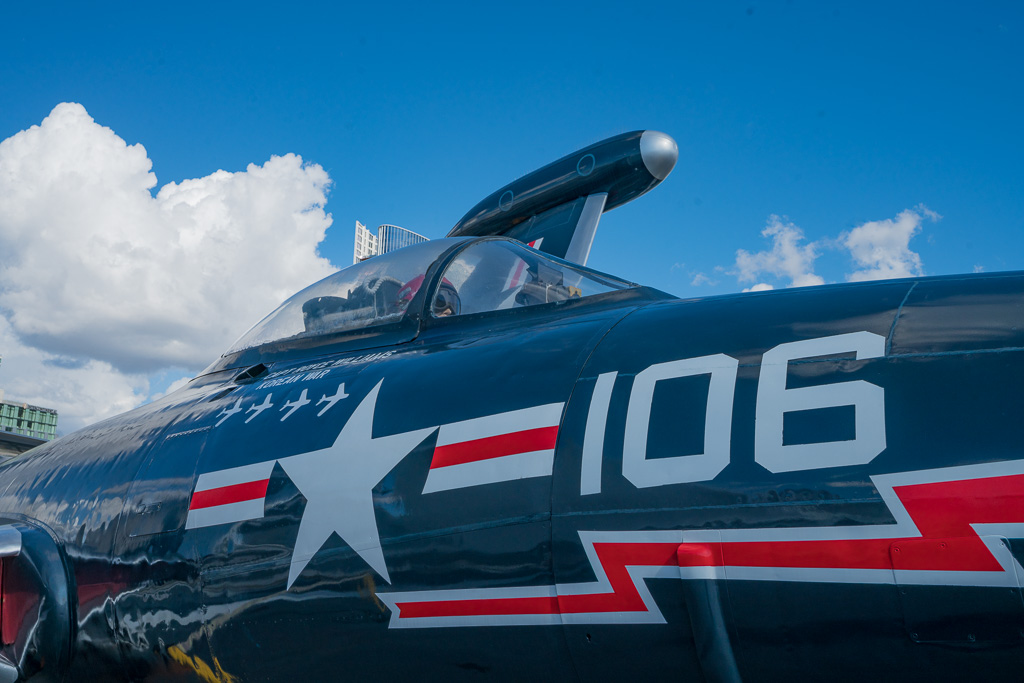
{"x":717,"y":423}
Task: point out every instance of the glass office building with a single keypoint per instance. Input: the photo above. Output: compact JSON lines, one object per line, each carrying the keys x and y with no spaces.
{"x":388,"y":238}
{"x":391,"y":237}
{"x":28,"y":420}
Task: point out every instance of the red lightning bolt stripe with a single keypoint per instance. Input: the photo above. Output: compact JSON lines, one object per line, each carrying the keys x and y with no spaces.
{"x":946,"y":524}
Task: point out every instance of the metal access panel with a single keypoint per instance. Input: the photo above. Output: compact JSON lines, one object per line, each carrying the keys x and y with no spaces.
{"x":699,"y":565}
{"x":943,"y":603}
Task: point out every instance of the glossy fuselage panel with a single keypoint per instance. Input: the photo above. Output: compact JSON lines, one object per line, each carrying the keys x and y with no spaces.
{"x":475,"y":536}
{"x":953,"y":363}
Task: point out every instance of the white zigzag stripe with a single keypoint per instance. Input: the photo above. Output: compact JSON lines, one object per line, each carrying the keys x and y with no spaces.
{"x":904,"y":528}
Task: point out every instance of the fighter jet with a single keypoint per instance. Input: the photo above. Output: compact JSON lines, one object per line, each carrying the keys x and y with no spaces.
{"x":473,"y":459}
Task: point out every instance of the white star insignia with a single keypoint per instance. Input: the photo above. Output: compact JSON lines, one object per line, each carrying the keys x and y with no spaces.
{"x":338,"y":483}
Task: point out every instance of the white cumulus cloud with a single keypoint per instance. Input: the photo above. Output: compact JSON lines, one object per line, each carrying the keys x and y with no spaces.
{"x":881,"y":249}
{"x":759,"y":287}
{"x":787,"y":258}
{"x":102,"y":283}
{"x":702,"y":279}
{"x":878,"y":249}
{"x":82,"y":391}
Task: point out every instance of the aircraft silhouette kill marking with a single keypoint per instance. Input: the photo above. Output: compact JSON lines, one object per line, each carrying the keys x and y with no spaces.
{"x":331,"y":400}
{"x":292,"y":406}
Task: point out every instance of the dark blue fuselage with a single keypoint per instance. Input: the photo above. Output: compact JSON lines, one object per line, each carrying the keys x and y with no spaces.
{"x":704,"y":512}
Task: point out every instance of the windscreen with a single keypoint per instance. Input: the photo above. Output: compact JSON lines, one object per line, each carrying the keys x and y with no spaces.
{"x":374,"y":292}
{"x":495,"y":275}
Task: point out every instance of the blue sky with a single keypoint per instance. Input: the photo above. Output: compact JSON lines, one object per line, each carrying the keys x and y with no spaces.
{"x":828,"y":115}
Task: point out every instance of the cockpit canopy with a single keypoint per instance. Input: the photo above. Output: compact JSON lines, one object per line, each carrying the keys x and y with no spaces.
{"x":487,"y":274}
{"x":499,"y":274}
{"x":373,"y":292}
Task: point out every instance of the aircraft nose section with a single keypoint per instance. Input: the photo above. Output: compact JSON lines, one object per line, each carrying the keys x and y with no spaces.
{"x":659,"y":152}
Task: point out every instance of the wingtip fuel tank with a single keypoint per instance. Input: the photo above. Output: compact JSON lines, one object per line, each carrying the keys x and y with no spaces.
{"x":622,"y":167}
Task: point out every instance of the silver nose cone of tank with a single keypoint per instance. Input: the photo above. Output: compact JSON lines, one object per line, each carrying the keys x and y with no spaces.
{"x":659,"y":152}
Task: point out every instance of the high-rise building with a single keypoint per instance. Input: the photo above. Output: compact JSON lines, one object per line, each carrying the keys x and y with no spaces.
{"x":388,"y":238}
{"x":24,"y":426}
{"x":28,"y":420}
{"x":366,"y":244}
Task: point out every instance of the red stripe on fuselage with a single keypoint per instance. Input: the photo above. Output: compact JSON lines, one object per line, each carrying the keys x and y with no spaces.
{"x":236,"y":493}
{"x":526,"y":441}
{"x":614,"y":557}
{"x":941,"y":510}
